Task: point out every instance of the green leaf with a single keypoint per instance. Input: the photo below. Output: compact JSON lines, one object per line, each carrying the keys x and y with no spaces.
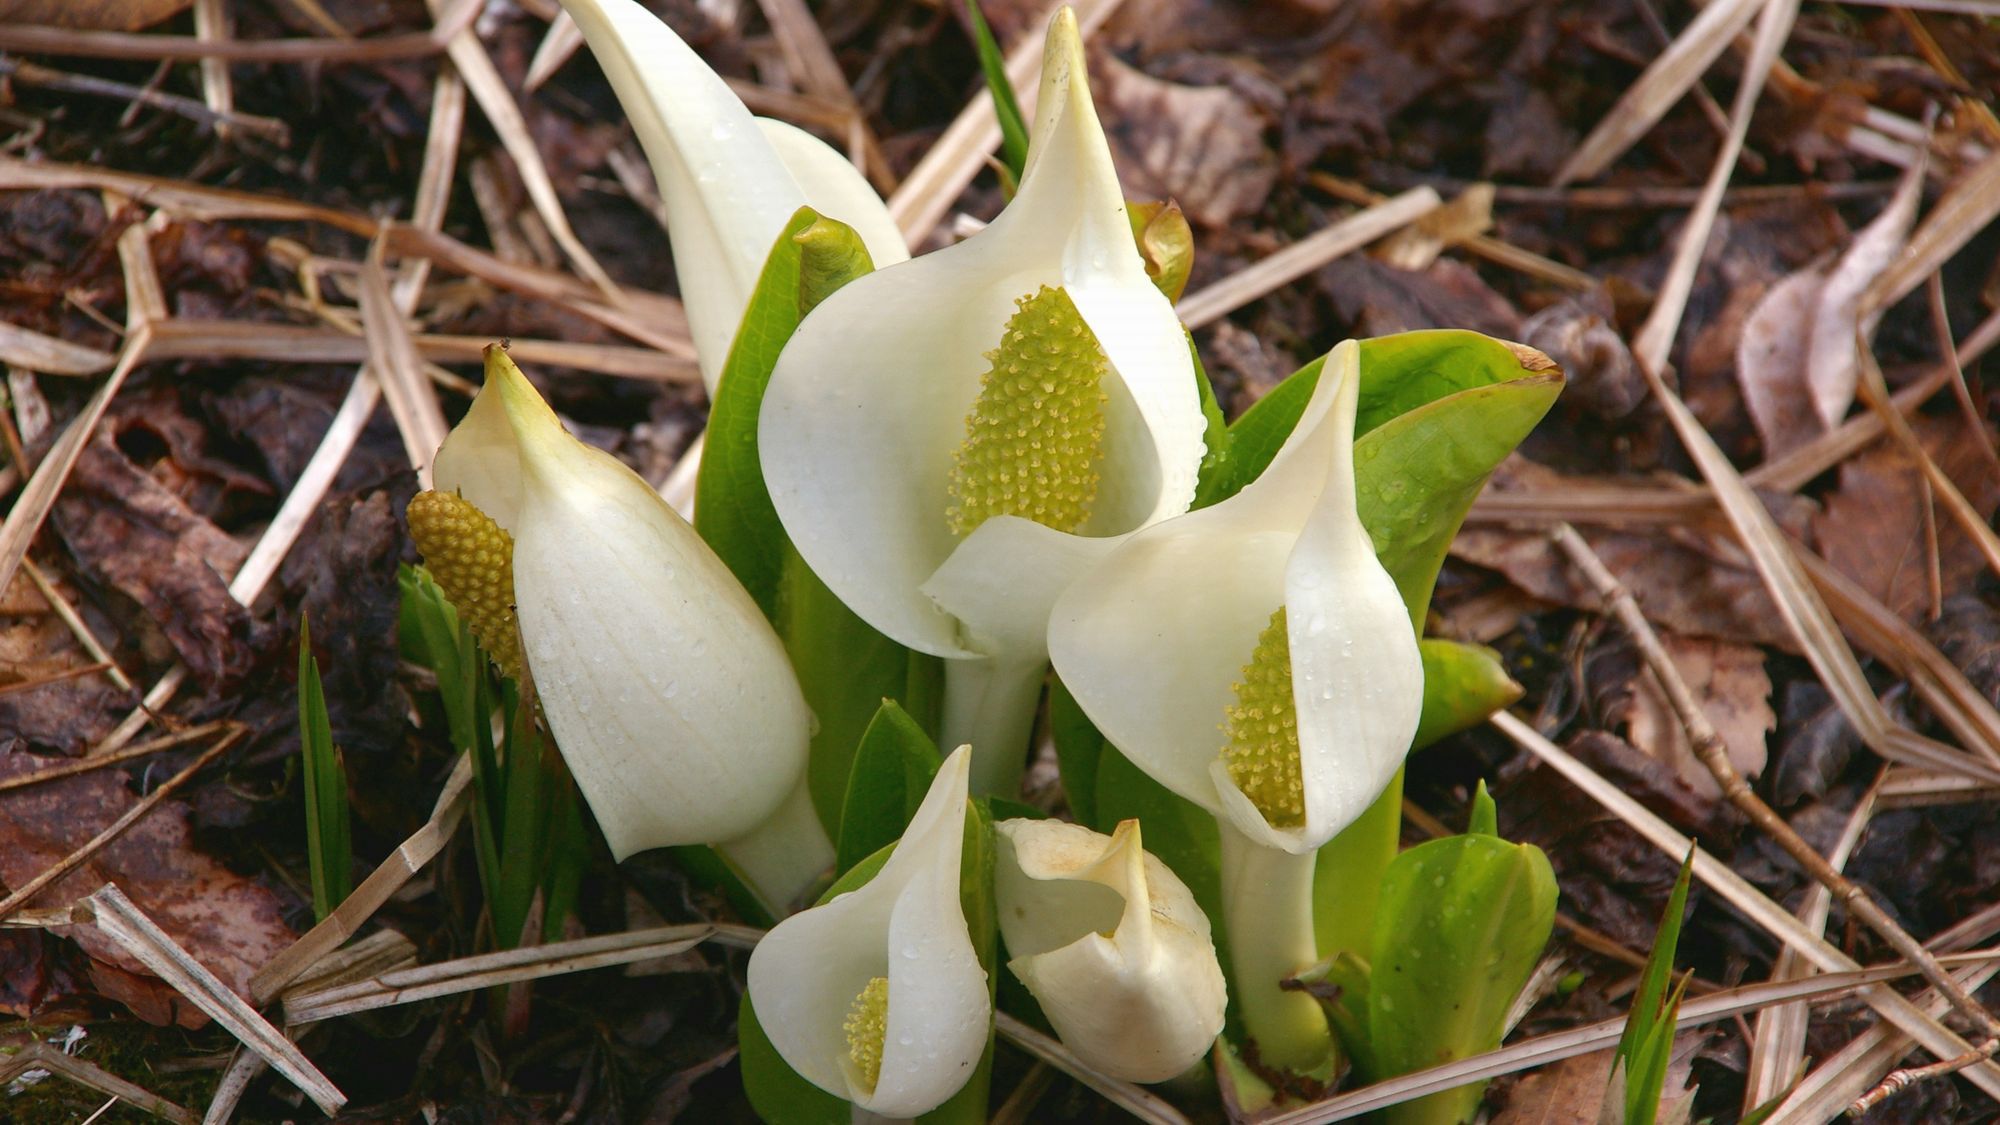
{"x":893,"y":768}
{"x":1439,"y":411}
{"x":328,"y":847}
{"x":1484,"y":819}
{"x":1417,"y":474}
{"x":1463,"y":686}
{"x":733,"y":509}
{"x":1647,"y":1043}
{"x":1079,"y":749}
{"x":845,"y":668}
{"x":1347,"y":875}
{"x":1461,"y":924}
{"x":1006,"y":107}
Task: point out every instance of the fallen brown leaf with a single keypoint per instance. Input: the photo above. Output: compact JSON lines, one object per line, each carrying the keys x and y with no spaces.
{"x":1570,"y":1092}
{"x":1872,"y":528}
{"x":92,"y":15}
{"x":231,"y":923}
{"x":1735,"y":693}
{"x":1202,"y":146}
{"x":135,"y":535}
{"x":62,"y":715}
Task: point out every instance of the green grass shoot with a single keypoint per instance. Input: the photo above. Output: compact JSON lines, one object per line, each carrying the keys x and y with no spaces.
{"x":328,"y":844}
{"x":1648,"y":1043}
{"x":1006,"y":107}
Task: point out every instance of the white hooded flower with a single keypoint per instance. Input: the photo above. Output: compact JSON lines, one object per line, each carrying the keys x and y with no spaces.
{"x":877,"y":996}
{"x":1111,"y":944}
{"x":730,"y":181}
{"x":666,"y":690}
{"x":1254,"y":656}
{"x":951,"y":440}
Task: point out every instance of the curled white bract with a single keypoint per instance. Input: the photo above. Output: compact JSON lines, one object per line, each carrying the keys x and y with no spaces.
{"x":667,"y":691}
{"x":1111,"y":944}
{"x":1153,"y":641}
{"x":906,"y":927}
{"x":729,"y":180}
{"x":868,"y":406}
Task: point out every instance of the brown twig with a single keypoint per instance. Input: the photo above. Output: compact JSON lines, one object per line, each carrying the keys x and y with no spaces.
{"x":1714,"y":754}
{"x":99,"y":761}
{"x":129,"y":45}
{"x":117,"y":828}
{"x":29,"y":74}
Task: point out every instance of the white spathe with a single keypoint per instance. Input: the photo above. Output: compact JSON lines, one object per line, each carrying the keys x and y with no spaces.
{"x":729,"y":180}
{"x":905,"y":924}
{"x":868,"y":403}
{"x":1111,"y":944}
{"x":668,"y":693}
{"x":1154,"y":639}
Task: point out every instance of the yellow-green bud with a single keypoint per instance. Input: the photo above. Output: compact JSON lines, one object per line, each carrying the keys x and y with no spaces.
{"x":1036,"y":433}
{"x":1262,"y":754}
{"x":472,"y":559}
{"x":867,"y":1022}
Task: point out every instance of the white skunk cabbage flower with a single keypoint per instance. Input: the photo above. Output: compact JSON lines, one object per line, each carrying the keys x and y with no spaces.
{"x":667,"y":692}
{"x":730,"y":181}
{"x":877,"y":996}
{"x":951,"y":440}
{"x":1111,"y":944}
{"x":1254,"y":656}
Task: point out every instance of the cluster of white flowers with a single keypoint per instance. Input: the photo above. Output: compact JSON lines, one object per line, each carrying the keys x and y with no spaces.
{"x":988,"y":453}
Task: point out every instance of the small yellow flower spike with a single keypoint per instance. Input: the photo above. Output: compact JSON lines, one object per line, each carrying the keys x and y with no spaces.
{"x":867,"y":1022}
{"x":472,"y":559}
{"x":1262,"y":755}
{"x":1036,"y":432}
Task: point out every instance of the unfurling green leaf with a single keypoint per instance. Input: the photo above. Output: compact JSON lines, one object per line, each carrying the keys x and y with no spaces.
{"x":1461,"y":923}
{"x":1463,"y":686}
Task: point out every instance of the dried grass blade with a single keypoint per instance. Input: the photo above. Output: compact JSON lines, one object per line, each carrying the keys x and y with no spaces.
{"x":388,"y":877}
{"x":1962,"y":708}
{"x":468,"y":974}
{"x":31,"y":507}
{"x":235,"y":1082}
{"x":178,"y":198}
{"x":1141,"y":1103}
{"x":41,"y":1056}
{"x":1778,"y":1043}
{"x":483,"y":79}
{"x":811,"y":59}
{"x":24,"y":347}
{"x":1825,"y":1094}
{"x":1800,"y":605}
{"x":1656,"y":336}
{"x":211,"y":25}
{"x":561,"y":42}
{"x":392,"y":359}
{"x":1876,"y":392}
{"x":119,"y":919}
{"x":1965,"y":209}
{"x":99,"y":761}
{"x":1561,"y":1045}
{"x":37,"y":40}
{"x":1747,"y":900}
{"x":78,"y":628}
{"x":1306,"y":255}
{"x":1671,"y":75}
{"x":649,"y":318}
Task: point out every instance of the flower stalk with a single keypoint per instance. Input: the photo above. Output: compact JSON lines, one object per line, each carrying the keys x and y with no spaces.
{"x":1267,"y":913}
